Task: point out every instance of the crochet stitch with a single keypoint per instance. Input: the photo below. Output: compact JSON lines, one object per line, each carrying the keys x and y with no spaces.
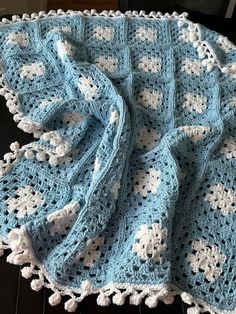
{"x":128,"y":190}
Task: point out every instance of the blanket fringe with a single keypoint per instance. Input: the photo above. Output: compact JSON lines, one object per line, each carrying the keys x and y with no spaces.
{"x":116,"y":293}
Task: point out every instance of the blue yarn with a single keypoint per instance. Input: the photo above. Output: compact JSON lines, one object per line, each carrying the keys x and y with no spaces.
{"x":129,"y":187}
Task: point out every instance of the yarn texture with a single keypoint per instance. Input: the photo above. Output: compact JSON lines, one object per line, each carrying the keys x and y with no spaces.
{"x":129,"y":189}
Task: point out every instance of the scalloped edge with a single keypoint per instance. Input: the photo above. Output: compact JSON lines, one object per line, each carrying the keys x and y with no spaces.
{"x":93,"y":12}
{"x":22,"y":253}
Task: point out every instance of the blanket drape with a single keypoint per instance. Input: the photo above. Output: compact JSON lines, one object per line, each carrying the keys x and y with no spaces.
{"x":129,"y":189}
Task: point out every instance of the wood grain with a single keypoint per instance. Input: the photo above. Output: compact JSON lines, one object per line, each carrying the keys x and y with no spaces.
{"x":29,"y":301}
{"x":9,"y":283}
{"x":78,"y":5}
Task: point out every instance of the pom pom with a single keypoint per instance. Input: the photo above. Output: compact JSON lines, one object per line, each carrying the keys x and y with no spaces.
{"x":151,"y":301}
{"x":33,"y":15}
{"x":2,"y":91}
{"x":15,"y":17}
{"x":186,"y":297}
{"x":86,"y":286}
{"x":7,"y":156}
{"x":193,"y":310}
{"x":47,"y":136}
{"x":26,"y":272}
{"x":60,"y":11}
{"x":8,"y":96}
{"x":71,"y":305}
{"x":103,"y":300}
{"x":18,"y":259}
{"x":200,"y":49}
{"x":15,"y":146}
{"x":14,"y":237}
{"x":135,"y":299}
{"x":37,"y":134}
{"x":55,"y":141}
{"x":41,"y":13}
{"x":53,"y":160}
{"x":29,"y":154}
{"x":118,"y":299}
{"x":25,"y":126}
{"x":10,"y":104}
{"x":5,"y":21}
{"x":54,"y":299}
{"x":25,"y":16}
{"x":17,"y":117}
{"x":36,"y":284}
{"x":41,"y":156}
{"x":60,"y":150}
{"x":52,"y":12}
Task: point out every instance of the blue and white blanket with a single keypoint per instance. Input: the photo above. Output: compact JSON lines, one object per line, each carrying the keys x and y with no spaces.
{"x":129,"y":189}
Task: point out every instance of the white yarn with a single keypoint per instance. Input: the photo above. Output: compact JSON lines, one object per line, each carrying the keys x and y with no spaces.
{"x":36,"y":284}
{"x":71,"y":305}
{"x":54,"y":299}
{"x":26,"y":272}
{"x":103,"y":300}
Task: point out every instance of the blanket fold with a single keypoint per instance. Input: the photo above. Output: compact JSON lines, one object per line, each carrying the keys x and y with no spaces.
{"x":128,"y":190}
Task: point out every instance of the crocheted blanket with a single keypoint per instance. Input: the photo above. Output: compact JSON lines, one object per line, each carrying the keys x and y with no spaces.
{"x":129,"y":189}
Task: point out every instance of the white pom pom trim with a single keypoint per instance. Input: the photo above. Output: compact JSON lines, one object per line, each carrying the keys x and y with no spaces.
{"x":36,"y":284}
{"x":71,"y":305}
{"x":205,"y":51}
{"x":22,"y":252}
{"x":54,"y":299}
